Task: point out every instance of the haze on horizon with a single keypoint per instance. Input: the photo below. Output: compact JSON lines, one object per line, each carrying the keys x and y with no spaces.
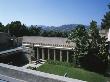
{"x":52,"y":12}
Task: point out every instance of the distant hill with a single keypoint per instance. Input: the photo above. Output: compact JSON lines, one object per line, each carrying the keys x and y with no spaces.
{"x":67,"y":27}
{"x":62,"y":28}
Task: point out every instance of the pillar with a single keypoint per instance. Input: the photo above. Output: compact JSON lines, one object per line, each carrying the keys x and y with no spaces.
{"x":37,"y":53}
{"x":67,"y":56}
{"x":43,"y":53}
{"x":60,"y":55}
{"x":54,"y":55}
{"x":48,"y":54}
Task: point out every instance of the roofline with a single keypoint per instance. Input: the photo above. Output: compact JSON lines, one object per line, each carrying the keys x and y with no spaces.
{"x":45,"y":37}
{"x":52,"y":47}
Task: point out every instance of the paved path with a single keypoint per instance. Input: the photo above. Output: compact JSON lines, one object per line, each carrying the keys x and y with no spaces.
{"x":34,"y":65}
{"x":4,"y":78}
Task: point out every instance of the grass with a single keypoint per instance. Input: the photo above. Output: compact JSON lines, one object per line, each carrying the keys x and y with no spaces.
{"x":72,"y":72}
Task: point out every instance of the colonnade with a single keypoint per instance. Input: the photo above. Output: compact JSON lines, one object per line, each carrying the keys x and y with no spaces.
{"x":54,"y":54}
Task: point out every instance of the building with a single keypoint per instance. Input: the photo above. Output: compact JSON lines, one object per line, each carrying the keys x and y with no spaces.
{"x":54,"y":48}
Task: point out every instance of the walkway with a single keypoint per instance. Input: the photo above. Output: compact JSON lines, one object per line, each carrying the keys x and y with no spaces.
{"x":4,"y":78}
{"x":33,"y":64}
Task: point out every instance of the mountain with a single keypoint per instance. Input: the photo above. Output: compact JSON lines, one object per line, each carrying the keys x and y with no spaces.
{"x":63,"y":28}
{"x":67,"y":27}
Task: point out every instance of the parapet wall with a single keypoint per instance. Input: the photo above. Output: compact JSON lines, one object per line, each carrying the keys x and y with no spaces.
{"x":31,"y":75}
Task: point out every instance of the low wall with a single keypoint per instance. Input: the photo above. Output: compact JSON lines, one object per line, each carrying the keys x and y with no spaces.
{"x":31,"y":75}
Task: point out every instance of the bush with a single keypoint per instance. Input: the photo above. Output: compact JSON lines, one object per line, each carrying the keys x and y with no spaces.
{"x":93,"y":63}
{"x":59,"y":63}
{"x":32,"y":68}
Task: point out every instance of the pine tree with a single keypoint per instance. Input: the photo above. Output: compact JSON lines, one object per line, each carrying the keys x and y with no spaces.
{"x":94,"y":35}
{"x":106,"y":20}
{"x":80,"y":37}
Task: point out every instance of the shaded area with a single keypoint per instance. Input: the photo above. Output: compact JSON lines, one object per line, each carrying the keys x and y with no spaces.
{"x":93,"y":63}
{"x":16,"y":59}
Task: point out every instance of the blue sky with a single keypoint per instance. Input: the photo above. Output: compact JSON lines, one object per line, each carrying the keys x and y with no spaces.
{"x":52,"y":12}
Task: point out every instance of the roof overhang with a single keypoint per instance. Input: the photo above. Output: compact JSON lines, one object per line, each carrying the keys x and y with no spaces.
{"x":54,"y":47}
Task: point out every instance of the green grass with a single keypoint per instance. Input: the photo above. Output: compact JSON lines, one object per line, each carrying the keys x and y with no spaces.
{"x":72,"y":72}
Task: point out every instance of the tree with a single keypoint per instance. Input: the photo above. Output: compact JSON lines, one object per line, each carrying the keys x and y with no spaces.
{"x":103,"y":50}
{"x":94,"y":35}
{"x":80,"y":37}
{"x":98,"y":51}
{"x":91,"y":50}
{"x":17,"y":29}
{"x":1,"y":27}
{"x":34,"y":30}
{"x":14,"y":28}
{"x":106,"y":20}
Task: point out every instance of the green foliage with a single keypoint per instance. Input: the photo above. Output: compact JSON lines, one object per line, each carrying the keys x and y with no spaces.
{"x":98,"y":42}
{"x":103,"y":50}
{"x":75,"y":73}
{"x":1,"y":27}
{"x":34,"y":31}
{"x":106,"y":20}
{"x":18,"y":29}
{"x":94,"y":35}
{"x":59,"y":63}
{"x":79,"y":36}
{"x":54,"y":34}
{"x":89,"y":44}
{"x":32,"y":68}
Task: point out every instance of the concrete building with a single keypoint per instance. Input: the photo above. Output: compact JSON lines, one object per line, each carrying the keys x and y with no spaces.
{"x":54,"y":48}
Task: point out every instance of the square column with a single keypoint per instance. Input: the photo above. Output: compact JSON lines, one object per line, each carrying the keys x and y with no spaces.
{"x":67,"y":56}
{"x":60,"y":55}
{"x":37,"y":53}
{"x":48,"y":54}
{"x":54,"y":54}
{"x":43,"y":53}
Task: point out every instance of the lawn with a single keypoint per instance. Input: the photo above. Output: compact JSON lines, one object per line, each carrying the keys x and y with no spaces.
{"x":72,"y":72}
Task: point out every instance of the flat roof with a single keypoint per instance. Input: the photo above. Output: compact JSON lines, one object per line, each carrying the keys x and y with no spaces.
{"x":48,"y":41}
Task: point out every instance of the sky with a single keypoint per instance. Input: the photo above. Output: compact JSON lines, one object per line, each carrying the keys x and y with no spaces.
{"x":52,"y":12}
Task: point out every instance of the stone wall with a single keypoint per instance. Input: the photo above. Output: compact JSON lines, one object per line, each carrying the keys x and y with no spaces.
{"x":5,"y":41}
{"x":31,"y":75}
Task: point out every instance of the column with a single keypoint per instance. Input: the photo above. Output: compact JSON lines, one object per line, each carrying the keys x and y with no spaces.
{"x":48,"y":54}
{"x":37,"y":53}
{"x":60,"y":55}
{"x":54,"y":55}
{"x":42,"y":53}
{"x":67,"y":56}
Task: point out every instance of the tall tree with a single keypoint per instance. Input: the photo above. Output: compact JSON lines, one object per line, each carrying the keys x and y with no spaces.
{"x":106,"y":20}
{"x":80,"y":37}
{"x":14,"y":28}
{"x":17,"y":28}
{"x":94,"y":35}
{"x":103,"y":50}
{"x":35,"y":30}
